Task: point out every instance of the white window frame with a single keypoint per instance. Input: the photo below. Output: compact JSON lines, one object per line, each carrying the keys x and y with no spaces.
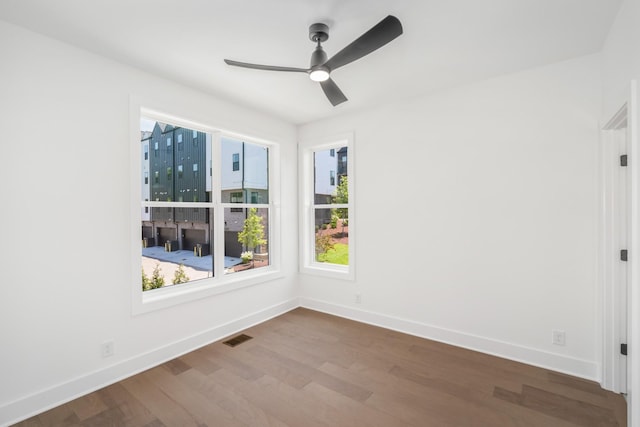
{"x":173,"y":113}
{"x":308,"y":264}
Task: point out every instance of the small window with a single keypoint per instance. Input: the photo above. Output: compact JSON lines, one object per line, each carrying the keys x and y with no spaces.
{"x":146,"y":151}
{"x":180,"y":170}
{"x":327,"y":210}
{"x":236,"y":197}
{"x":146,"y":177}
{"x":179,"y":138}
{"x":169,"y":173}
{"x":195,"y":167}
{"x":195,"y":134}
{"x":236,"y":161}
{"x":168,"y":142}
{"x":156,"y":177}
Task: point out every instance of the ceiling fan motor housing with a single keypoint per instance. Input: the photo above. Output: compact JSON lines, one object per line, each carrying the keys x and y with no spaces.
{"x":318,"y":57}
{"x":318,"y":32}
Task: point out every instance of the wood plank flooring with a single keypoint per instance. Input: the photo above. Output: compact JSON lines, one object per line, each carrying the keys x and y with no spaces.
{"x":311,"y":369}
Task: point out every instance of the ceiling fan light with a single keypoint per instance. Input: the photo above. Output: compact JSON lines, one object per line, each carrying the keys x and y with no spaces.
{"x":319,"y":75}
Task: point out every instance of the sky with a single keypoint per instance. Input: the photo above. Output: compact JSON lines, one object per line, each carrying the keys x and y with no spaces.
{"x":146,"y":124}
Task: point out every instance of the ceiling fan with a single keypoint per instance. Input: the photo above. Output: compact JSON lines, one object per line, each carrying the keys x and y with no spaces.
{"x":320,"y":67}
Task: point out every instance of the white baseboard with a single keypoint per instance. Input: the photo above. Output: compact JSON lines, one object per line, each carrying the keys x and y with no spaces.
{"x":569,"y":365}
{"x":43,"y":400}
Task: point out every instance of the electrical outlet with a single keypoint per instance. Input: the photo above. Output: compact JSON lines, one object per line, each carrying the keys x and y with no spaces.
{"x":558,"y":337}
{"x":358,"y":298}
{"x":108,"y":349}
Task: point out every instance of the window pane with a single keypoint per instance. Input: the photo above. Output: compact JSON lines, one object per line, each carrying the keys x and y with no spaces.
{"x":169,"y":186}
{"x":330,"y":171}
{"x":244,"y":170}
{"x":176,"y":250}
{"x":332,"y":235}
{"x":246,"y":233}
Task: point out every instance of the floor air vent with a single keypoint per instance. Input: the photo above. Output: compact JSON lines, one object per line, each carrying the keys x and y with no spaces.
{"x":237,"y":340}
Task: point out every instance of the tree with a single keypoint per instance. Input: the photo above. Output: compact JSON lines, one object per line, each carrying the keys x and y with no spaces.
{"x":180,"y":276}
{"x":324,"y":243}
{"x":252,"y":234}
{"x":341,"y":196}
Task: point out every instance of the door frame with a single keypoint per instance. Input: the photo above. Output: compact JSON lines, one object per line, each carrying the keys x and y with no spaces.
{"x":614,"y":235}
{"x":607,"y":309}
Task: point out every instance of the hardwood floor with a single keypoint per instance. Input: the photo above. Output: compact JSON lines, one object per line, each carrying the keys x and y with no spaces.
{"x":310,"y":369}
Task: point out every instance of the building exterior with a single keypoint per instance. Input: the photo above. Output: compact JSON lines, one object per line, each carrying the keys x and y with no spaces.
{"x":177,"y":166}
{"x":329,"y":168}
{"x":244,"y":179}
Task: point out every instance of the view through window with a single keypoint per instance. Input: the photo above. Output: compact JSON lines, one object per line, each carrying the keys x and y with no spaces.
{"x":195,"y":217}
{"x":331,"y":205}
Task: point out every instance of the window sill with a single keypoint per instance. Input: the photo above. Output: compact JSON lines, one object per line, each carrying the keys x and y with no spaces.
{"x":329,"y":270}
{"x":148,"y":301}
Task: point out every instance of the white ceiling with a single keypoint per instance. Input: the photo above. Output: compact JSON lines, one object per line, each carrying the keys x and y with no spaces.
{"x":445,"y":43}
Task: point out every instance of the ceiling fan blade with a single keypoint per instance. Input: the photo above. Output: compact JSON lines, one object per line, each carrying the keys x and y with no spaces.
{"x":265,"y":67}
{"x":379,"y":35}
{"x":333,"y":92}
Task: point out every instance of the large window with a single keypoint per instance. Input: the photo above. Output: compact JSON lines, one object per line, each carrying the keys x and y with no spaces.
{"x":205,"y":230}
{"x":327,"y":212}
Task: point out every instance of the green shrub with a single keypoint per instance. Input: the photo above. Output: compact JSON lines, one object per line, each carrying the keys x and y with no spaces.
{"x":246,"y":256}
{"x":180,"y":276}
{"x":334,"y":221}
{"x":157,"y":279}
{"x":146,"y":283}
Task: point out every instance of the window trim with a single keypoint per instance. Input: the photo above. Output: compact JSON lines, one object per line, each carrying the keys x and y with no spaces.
{"x":148,"y":301}
{"x":308,"y":265}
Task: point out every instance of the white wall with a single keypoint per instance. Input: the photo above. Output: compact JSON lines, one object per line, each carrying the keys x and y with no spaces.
{"x":65,"y":190}
{"x":621,"y":60}
{"x":487,"y":234}
{"x":231,"y":179}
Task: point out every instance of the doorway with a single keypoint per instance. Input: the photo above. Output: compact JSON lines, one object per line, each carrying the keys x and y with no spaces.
{"x":614,"y":234}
